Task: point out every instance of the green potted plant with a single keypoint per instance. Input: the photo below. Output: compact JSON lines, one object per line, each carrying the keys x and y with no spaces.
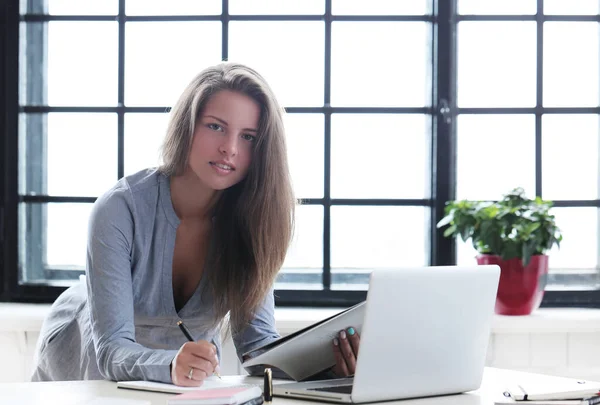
{"x":514,"y":233}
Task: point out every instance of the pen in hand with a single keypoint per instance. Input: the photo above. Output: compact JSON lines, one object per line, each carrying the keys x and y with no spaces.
{"x":189,"y":337}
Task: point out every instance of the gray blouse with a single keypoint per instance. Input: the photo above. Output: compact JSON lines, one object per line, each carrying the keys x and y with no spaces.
{"x":120,"y":324}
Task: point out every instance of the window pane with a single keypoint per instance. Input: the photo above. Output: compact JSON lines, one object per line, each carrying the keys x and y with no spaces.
{"x":361,"y":164}
{"x":303,"y":265}
{"x":67,"y":235}
{"x":505,"y":7}
{"x":76,"y":156}
{"x":571,"y":64}
{"x":305,"y":142}
{"x":381,"y":7}
{"x":290,"y":56}
{"x":495,"y":153}
{"x":465,"y":253}
{"x":29,"y":59}
{"x":160,"y":62}
{"x":496,"y":64}
{"x":83,"y":7}
{"x":367,"y":238}
{"x":52,"y":237}
{"x":358,"y":77}
{"x":81,"y":63}
{"x":69,"y":7}
{"x":267,"y":7}
{"x":144,"y":134}
{"x":571,"y":7}
{"x":579,"y":248}
{"x":179,"y":7}
{"x":33,"y":149}
{"x":23,"y":9}
{"x":570,"y":157}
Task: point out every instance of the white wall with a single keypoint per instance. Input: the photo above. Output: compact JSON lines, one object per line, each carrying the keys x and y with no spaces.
{"x":551,"y":341}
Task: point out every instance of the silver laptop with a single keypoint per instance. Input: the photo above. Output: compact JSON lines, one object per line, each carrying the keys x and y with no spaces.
{"x":425,"y":332}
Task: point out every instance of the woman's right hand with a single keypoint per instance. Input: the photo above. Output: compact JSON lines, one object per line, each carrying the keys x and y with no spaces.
{"x":193,"y":363}
{"x":345,"y":350}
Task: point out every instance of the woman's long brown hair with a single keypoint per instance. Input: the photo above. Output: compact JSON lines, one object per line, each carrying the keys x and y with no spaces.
{"x":254,"y":219}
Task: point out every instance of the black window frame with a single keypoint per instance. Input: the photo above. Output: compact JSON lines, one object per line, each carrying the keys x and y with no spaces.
{"x":443,"y":113}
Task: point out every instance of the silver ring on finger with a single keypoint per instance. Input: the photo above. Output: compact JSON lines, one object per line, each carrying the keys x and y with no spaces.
{"x":191,"y":373}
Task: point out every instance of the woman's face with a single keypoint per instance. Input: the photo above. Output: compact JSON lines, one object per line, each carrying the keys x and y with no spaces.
{"x":223,"y":140}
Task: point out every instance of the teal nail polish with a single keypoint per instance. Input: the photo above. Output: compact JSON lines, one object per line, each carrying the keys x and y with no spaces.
{"x":351,"y":331}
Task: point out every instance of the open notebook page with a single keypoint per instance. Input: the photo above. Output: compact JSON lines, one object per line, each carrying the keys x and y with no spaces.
{"x":209,"y":383}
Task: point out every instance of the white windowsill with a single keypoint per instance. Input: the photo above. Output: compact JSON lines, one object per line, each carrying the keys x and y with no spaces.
{"x":29,"y":317}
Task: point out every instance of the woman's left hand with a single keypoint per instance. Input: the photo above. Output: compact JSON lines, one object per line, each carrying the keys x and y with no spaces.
{"x":345,"y":350}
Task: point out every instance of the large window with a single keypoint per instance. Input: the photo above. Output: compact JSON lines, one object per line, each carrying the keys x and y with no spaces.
{"x":527,"y":105}
{"x":393,"y":108}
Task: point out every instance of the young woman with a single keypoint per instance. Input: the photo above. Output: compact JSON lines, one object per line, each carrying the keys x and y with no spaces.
{"x":199,"y":239}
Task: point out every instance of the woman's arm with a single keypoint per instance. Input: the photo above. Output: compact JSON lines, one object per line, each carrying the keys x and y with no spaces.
{"x":259,"y":331}
{"x":110,"y":294}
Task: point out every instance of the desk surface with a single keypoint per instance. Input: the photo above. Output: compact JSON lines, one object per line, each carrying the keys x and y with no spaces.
{"x":83,"y":392}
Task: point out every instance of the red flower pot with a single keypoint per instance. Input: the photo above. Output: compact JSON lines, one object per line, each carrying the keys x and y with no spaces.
{"x":520,"y":290}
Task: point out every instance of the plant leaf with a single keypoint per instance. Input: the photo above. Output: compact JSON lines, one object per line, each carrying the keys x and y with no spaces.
{"x":450,"y":231}
{"x":445,"y":221}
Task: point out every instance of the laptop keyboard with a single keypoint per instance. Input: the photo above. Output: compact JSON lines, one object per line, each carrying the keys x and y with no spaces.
{"x":341,"y":389}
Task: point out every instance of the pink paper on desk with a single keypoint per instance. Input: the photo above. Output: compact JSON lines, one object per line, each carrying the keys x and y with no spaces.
{"x":218,"y":396}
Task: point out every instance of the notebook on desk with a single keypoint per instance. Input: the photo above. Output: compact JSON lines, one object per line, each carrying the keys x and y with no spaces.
{"x":211,"y":382}
{"x":425,"y":333}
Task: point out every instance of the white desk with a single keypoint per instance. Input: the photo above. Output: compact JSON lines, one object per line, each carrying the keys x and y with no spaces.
{"x":81,"y":392}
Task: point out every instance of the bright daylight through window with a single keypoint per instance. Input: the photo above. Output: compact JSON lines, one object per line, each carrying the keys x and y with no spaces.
{"x":364,"y":85}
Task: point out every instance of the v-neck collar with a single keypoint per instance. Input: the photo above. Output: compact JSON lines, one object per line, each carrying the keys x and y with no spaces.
{"x":197,"y":297}
{"x":165,"y":200}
